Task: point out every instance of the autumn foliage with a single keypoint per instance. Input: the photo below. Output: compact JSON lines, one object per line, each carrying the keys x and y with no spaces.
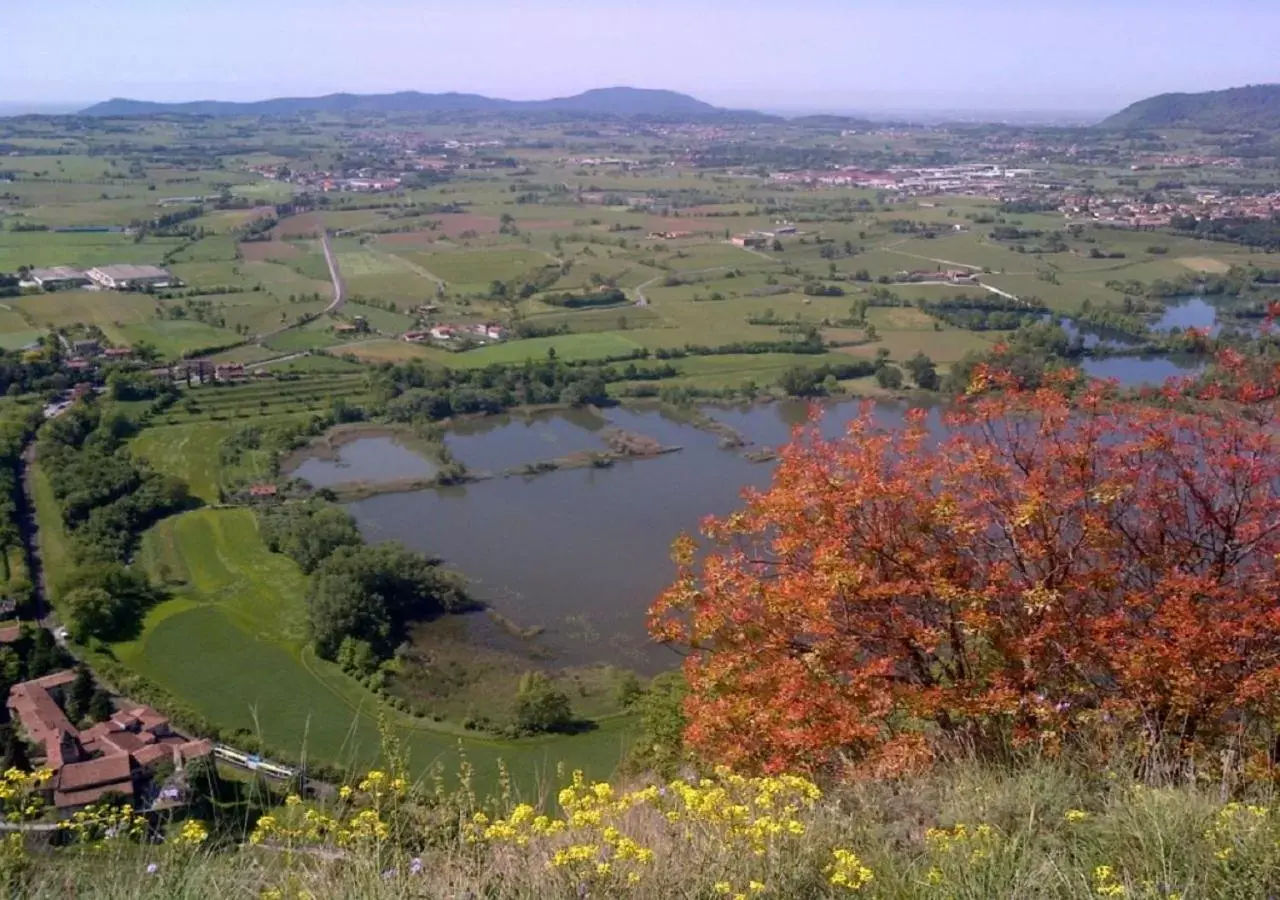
{"x":1033,"y":566}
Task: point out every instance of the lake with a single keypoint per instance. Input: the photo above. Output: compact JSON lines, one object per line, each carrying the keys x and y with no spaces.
{"x":583,"y":552}
{"x":366,"y":459}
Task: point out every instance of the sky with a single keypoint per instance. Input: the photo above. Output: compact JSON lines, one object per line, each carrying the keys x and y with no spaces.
{"x":779,"y":55}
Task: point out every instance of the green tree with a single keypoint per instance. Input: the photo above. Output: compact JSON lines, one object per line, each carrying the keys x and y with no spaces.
{"x":100,"y":706}
{"x":889,"y":377}
{"x":923,"y":372}
{"x":540,"y":706}
{"x":659,"y":747}
{"x":80,"y":695}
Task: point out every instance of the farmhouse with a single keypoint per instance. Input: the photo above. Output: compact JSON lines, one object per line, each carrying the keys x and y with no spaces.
{"x":489,"y":330}
{"x":130,"y":277}
{"x":111,"y":757}
{"x":58,"y":278}
{"x":749,"y":240}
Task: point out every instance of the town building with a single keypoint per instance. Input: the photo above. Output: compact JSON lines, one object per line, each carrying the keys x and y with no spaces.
{"x":58,"y":278}
{"x":131,"y":277}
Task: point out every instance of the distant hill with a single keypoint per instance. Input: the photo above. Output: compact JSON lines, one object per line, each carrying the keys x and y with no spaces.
{"x":1256,"y":106}
{"x":614,"y":101}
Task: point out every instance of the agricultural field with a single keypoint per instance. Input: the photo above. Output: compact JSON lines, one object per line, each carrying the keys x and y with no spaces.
{"x":79,"y":250}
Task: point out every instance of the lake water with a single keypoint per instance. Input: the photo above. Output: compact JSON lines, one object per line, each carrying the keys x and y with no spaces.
{"x":1137,"y":371}
{"x":495,"y":443}
{"x":366,"y":459}
{"x":583,"y":552}
{"x":1189,"y":312}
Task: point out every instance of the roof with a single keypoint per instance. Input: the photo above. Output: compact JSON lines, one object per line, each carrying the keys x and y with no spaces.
{"x":10,"y":633}
{"x":149,"y":718}
{"x":95,"y":773}
{"x":67,"y":799}
{"x":54,"y":680}
{"x":128,"y":272}
{"x":57,"y":273}
{"x":195,"y":749}
{"x":149,"y":756}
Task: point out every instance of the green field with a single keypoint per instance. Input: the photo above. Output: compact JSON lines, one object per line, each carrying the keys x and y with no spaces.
{"x":192,"y":453}
{"x":474,"y":270}
{"x":79,"y":250}
{"x":231,"y":643}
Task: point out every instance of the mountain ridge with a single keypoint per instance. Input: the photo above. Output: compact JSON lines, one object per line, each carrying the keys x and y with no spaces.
{"x":1248,"y":107}
{"x":616,"y":101}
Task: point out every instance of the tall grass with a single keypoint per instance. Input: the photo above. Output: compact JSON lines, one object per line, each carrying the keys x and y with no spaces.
{"x":967,"y":831}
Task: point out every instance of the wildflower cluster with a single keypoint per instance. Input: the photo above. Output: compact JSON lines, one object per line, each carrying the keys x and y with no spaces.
{"x":848,"y":872}
{"x":754,"y":812}
{"x":1106,"y":884}
{"x":586,"y":846}
{"x":193,"y":834}
{"x":966,"y":857}
{"x":98,"y":824}
{"x":19,"y":795}
{"x":594,"y":844}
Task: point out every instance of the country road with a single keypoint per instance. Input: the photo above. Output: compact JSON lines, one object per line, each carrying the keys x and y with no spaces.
{"x":339,"y":295}
{"x":339,"y":287}
{"x":642,"y":300}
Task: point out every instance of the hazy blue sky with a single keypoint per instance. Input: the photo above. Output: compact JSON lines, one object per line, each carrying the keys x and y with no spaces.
{"x":778,"y":54}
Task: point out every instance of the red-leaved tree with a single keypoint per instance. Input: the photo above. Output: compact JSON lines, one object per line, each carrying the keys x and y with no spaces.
{"x":1043,"y":563}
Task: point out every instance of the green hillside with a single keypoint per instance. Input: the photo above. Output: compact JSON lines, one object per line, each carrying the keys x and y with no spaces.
{"x":1256,"y":106}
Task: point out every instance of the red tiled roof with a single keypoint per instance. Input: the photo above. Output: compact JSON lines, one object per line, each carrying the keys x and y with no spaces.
{"x":195,"y":749}
{"x":55,"y":680}
{"x":149,"y":718}
{"x":10,"y":633}
{"x":68,"y":799}
{"x":95,"y":773}
{"x":149,"y":756}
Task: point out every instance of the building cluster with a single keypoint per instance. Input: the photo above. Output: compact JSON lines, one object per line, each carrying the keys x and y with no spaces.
{"x":117,"y":757}
{"x":363,"y":181}
{"x":481,"y":331}
{"x":111,"y":278}
{"x":1126,"y":211}
{"x":975,"y":179}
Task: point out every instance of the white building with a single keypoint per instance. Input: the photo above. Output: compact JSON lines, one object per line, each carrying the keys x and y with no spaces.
{"x":129,"y":277}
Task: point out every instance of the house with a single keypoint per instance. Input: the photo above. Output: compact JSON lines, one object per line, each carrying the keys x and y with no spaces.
{"x":345,"y":328}
{"x":415,"y":337}
{"x":86,"y":347}
{"x":58,"y":278}
{"x":228,"y":371}
{"x":263,"y":490}
{"x":490,"y":331}
{"x":749,"y":240}
{"x":443,"y":332}
{"x":131,"y":277}
{"x":118,"y":352}
{"x":81,"y":783}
